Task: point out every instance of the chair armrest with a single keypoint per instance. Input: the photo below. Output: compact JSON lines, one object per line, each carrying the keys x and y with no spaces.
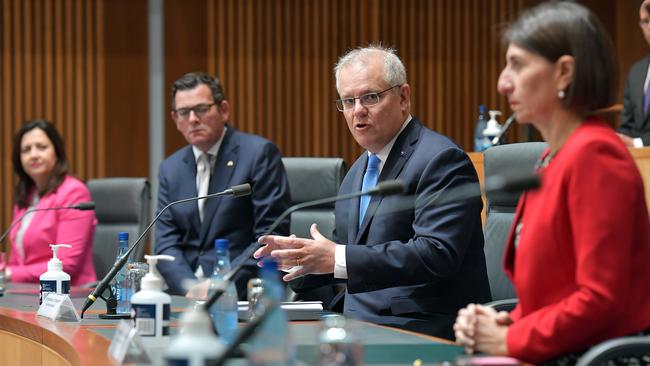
{"x":503,"y":305}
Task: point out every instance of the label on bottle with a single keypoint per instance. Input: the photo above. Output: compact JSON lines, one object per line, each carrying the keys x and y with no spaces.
{"x":144,"y":317}
{"x":48,"y":286}
{"x":186,"y":362}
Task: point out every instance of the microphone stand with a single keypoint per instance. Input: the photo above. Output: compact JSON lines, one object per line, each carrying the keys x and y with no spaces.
{"x":235,"y":191}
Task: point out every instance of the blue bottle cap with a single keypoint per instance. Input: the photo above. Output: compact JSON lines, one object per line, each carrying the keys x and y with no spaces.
{"x":123,"y":236}
{"x":269,"y":265}
{"x":221,"y":244}
{"x":481,"y":109}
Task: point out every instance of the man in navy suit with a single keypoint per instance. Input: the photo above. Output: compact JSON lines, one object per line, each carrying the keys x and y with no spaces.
{"x":217,"y":158}
{"x":413,"y":267}
{"x":635,"y":117}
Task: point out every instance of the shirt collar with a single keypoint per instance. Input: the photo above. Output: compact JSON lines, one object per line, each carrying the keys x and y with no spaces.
{"x":212,"y":151}
{"x":383,"y":153}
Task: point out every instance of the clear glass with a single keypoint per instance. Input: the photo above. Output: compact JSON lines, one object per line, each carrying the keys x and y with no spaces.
{"x":339,"y":344}
{"x":254,"y":293}
{"x":135,"y":272}
{"x":3,"y":266}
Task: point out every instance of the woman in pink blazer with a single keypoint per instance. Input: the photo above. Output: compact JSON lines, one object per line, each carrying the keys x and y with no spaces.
{"x":579,"y":250}
{"x":40,"y":162}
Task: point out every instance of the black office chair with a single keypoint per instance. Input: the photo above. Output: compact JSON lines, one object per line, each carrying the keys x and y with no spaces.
{"x":121,"y":204}
{"x":618,"y":351}
{"x":507,"y":161}
{"x":311,"y":179}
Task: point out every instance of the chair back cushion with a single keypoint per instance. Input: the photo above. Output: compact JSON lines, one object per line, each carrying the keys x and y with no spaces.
{"x":506,"y":161}
{"x":311,"y":179}
{"x":121,"y":204}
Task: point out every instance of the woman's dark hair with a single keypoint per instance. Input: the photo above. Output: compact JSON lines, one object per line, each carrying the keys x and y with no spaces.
{"x":557,"y":28}
{"x":25,"y":183}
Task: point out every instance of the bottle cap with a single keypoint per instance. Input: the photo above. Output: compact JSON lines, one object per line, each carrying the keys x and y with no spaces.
{"x":152,"y":281}
{"x":122,"y":236}
{"x":493,"y":127}
{"x":269,"y":266}
{"x":55,"y":263}
{"x":221,"y":244}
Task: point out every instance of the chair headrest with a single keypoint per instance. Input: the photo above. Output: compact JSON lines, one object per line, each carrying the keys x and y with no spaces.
{"x":119,"y":200}
{"x":314,"y":178}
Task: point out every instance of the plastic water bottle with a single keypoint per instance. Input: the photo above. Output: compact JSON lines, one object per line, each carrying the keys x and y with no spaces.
{"x":271,"y":345}
{"x":224,"y":311}
{"x":121,"y":286}
{"x":480,"y":141}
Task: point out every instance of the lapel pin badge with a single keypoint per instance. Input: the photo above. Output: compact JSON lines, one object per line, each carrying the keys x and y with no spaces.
{"x":230,"y":163}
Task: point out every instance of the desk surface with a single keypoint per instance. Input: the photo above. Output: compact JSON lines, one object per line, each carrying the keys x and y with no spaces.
{"x":86,"y":343}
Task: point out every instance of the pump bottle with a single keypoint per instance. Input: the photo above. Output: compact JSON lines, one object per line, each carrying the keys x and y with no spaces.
{"x":150,"y":307}
{"x":493,"y":128}
{"x":54,"y":280}
{"x":196,"y":345}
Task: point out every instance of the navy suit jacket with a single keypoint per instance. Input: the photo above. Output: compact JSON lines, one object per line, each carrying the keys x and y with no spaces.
{"x":242,"y":158}
{"x":414,"y":263}
{"x":634,"y":122}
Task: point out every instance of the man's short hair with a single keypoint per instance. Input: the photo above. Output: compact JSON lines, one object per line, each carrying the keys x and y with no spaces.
{"x":393,"y":66}
{"x":192,"y":80}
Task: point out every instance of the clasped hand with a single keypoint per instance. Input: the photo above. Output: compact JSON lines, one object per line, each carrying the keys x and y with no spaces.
{"x":299,"y":256}
{"x":481,"y":328}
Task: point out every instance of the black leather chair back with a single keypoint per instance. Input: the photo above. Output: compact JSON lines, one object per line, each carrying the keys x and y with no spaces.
{"x":121,"y":204}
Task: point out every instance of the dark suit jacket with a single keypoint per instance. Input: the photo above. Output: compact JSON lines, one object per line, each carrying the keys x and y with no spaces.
{"x":242,"y":158}
{"x":414,"y":268}
{"x":634,"y":122}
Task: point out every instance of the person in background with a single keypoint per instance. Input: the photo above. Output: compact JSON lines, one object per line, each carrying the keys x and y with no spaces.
{"x":579,"y":249}
{"x":216,"y":158}
{"x":635,"y":117}
{"x":40,"y":162}
{"x":410,"y":268}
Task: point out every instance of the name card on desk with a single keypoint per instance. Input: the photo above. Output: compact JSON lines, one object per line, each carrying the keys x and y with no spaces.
{"x":126,"y":342}
{"x":58,"y":307}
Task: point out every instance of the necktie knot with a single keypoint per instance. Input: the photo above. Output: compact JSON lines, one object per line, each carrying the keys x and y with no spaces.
{"x":373,"y":163}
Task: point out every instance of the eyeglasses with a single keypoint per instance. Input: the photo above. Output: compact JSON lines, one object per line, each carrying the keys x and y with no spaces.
{"x":366,"y":100}
{"x":200,"y":110}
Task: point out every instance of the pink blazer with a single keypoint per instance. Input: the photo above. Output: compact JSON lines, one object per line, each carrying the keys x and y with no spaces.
{"x":73,"y":227}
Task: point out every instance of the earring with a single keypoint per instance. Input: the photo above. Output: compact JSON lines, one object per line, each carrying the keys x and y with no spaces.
{"x":561,"y":94}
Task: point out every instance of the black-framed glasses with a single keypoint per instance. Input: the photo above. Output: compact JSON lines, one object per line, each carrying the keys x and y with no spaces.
{"x":366,"y":100}
{"x":200,"y":110}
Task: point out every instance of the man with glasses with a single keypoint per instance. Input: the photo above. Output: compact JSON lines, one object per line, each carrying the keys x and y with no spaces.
{"x":217,"y":157}
{"x":635,"y":118}
{"x":413,"y":267}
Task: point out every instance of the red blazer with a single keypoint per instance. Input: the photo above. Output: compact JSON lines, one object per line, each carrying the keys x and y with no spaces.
{"x":581,"y":269}
{"x":73,"y":227}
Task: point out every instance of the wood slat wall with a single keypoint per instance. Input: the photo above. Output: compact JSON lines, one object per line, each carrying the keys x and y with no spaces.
{"x":51,"y":68}
{"x":275,"y":59}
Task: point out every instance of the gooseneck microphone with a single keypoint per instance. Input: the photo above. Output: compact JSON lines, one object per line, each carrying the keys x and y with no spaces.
{"x":386,"y":188}
{"x":235,"y":191}
{"x":497,"y":139}
{"x":82,"y":206}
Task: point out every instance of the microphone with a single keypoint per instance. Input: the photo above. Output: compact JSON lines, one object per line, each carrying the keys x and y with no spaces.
{"x":497,"y":139}
{"x":235,"y":191}
{"x":82,"y":206}
{"x":385,"y":188}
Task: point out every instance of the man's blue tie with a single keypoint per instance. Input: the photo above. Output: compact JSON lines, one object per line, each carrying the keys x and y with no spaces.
{"x":369,"y":181}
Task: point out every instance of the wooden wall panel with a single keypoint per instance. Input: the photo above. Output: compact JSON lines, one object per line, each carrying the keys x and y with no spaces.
{"x":275,"y":59}
{"x":50,"y":70}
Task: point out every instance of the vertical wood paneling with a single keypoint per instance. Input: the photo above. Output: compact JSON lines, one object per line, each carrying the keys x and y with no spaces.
{"x":276,"y":60}
{"x":50,"y":71}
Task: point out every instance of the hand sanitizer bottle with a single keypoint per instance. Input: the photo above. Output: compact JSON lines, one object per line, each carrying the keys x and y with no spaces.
{"x":54,"y":280}
{"x":492,"y":129}
{"x":151,"y":307}
{"x":196,"y":345}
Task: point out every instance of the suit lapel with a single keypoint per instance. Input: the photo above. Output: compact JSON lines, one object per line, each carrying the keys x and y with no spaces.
{"x":398,"y":156}
{"x":354,"y":203}
{"x":640,"y":94}
{"x":223,"y":168}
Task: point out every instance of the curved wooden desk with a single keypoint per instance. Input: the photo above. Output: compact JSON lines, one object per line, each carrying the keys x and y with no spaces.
{"x":26,"y":339}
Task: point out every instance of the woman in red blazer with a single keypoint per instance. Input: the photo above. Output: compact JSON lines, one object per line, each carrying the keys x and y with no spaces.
{"x":40,"y":162}
{"x":579,"y":249}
